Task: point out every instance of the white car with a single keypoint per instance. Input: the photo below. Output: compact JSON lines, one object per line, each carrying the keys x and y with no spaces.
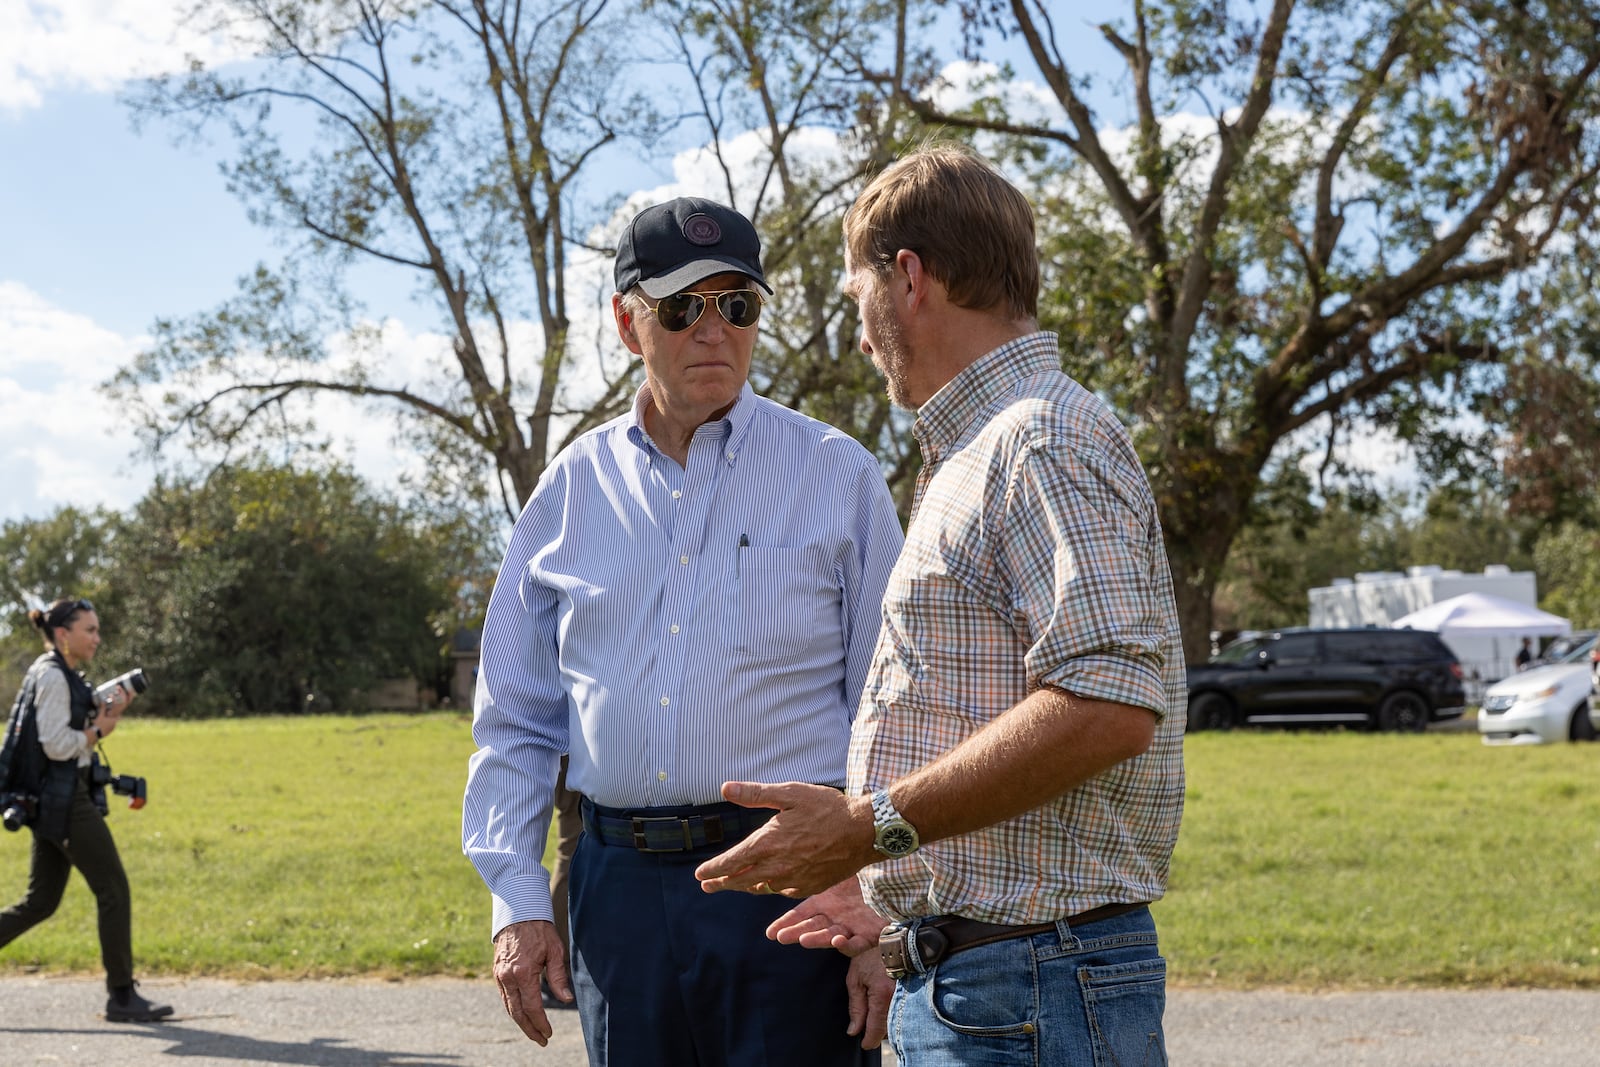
{"x":1546,"y":703}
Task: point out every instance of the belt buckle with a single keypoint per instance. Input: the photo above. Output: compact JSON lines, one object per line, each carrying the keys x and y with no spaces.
{"x":642,"y":842}
{"x":894,"y":945}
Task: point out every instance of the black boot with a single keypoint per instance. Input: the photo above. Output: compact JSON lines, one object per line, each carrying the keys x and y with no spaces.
{"x":125,"y":1005}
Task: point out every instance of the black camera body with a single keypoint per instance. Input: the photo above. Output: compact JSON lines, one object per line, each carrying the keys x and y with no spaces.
{"x":18,"y":810}
{"x":124,"y":785}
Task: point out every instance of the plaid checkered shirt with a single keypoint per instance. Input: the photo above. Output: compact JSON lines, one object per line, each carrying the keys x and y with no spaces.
{"x":1034,"y":557}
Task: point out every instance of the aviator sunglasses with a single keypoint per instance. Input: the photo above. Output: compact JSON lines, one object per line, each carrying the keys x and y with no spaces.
{"x":740,"y":308}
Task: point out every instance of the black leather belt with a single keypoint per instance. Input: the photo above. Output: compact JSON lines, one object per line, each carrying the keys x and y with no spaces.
{"x":676,"y":829}
{"x":914,"y":949}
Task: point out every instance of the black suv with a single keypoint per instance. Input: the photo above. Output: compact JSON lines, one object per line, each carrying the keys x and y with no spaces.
{"x":1385,"y":679}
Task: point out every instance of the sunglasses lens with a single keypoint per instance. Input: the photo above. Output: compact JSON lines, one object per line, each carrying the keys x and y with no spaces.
{"x":741,"y":308}
{"x":680,"y":311}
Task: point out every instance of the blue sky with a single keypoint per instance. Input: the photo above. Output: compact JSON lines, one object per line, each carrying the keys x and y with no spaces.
{"x":106,"y":229}
{"x":101,"y":231}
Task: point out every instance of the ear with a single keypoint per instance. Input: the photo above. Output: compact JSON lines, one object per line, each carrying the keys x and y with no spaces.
{"x":625,"y":325}
{"x":911,"y":283}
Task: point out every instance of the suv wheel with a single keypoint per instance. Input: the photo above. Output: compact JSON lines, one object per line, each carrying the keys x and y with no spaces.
{"x":1582,"y":728}
{"x":1212,"y":711}
{"x":1404,"y":711}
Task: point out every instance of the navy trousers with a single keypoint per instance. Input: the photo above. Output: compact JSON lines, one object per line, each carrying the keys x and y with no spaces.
{"x":669,"y":975}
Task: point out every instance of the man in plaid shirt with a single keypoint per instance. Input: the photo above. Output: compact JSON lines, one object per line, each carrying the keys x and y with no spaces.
{"x":1016,"y":770}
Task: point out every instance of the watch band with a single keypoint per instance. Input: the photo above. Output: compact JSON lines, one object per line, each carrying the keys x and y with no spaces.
{"x":893,"y":835}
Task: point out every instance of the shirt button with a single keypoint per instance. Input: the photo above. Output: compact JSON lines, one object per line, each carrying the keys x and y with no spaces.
{"x":683,"y":560}
{"x":674,"y":627}
{"x":661,"y":776}
{"x":665,"y":701}
{"x":676,"y":493}
{"x":730,"y":453}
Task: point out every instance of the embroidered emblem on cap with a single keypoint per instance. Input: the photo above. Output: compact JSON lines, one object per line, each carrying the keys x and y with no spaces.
{"x":701,"y":230}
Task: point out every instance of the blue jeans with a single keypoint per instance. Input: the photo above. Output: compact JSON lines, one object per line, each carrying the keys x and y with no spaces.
{"x":1089,"y":996}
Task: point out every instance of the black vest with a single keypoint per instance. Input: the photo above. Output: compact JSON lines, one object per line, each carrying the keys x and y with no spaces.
{"x":24,"y":767}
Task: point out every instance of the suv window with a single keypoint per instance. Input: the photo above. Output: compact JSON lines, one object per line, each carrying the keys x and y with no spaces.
{"x":1294,"y":650}
{"x":1360,"y":646}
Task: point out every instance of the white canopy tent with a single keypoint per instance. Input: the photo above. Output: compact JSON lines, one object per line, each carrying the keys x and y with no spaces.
{"x":1484,"y":631}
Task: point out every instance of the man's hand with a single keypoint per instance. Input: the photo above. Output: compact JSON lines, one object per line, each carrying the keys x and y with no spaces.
{"x":835,"y":918}
{"x":818,"y":838}
{"x":870,"y":989}
{"x":523,"y":952}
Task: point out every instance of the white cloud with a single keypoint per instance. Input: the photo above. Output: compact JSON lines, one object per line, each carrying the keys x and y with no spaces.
{"x":61,"y":442}
{"x":93,"y":44}
{"x":1025,"y":101}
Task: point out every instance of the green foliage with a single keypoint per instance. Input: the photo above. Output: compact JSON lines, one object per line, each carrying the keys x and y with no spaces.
{"x":259,"y":588}
{"x":64,"y":554}
{"x":1294,"y":543}
{"x":1568,"y":562}
{"x":262,"y":589}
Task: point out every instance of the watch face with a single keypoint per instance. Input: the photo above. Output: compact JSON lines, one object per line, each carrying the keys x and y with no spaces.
{"x":898,"y":840}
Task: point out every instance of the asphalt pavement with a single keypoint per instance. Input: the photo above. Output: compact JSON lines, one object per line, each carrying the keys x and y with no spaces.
{"x":460,"y":1023}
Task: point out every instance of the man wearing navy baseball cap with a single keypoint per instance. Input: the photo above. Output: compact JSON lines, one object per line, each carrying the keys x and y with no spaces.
{"x":691,"y":595}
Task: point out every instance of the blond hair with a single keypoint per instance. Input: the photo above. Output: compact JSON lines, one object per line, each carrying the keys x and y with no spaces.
{"x":972,"y":229}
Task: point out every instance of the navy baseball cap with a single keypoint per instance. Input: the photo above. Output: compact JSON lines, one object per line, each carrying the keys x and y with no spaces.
{"x":671,"y":246}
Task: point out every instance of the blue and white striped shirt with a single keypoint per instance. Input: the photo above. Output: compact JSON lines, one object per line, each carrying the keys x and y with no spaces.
{"x":674,"y":628}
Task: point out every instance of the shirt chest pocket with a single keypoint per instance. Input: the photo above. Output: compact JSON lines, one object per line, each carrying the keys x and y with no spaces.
{"x":785,"y":601}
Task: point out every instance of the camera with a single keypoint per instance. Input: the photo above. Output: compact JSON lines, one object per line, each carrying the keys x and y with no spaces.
{"x":134,"y":681}
{"x":18,"y":810}
{"x":124,"y":785}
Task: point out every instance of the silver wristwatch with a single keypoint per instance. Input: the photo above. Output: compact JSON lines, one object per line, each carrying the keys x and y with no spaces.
{"x":895,"y":837}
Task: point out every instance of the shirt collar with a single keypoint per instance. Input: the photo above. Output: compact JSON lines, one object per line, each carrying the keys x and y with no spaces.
{"x":730,"y":430}
{"x":945,"y":416}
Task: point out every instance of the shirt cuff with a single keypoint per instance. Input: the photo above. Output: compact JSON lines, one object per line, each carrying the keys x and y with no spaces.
{"x":520,"y":902}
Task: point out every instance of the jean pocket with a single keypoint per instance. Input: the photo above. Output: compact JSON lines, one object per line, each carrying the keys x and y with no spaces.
{"x":1124,"y":1003}
{"x":970,"y":997}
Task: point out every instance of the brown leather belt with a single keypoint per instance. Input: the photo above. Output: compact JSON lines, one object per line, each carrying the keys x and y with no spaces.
{"x":933,"y":939}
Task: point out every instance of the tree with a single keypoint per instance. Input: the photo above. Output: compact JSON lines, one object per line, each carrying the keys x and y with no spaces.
{"x":451,"y":138}
{"x":457,"y":140}
{"x":266,"y":589}
{"x":793,"y":124}
{"x":1366,"y":226}
{"x":64,"y":554}
{"x":1568,"y":562}
{"x":1298,"y":542}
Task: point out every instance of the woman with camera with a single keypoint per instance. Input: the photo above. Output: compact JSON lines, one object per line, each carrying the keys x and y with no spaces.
{"x":56,"y":723}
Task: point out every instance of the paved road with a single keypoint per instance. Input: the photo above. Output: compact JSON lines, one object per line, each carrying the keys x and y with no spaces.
{"x":453,"y":1023}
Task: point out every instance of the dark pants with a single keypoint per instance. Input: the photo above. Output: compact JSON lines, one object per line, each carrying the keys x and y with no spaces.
{"x":89,"y":848}
{"x":668,"y":974}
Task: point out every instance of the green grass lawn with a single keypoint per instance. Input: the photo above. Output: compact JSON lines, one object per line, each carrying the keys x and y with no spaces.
{"x":1348,"y":859}
{"x":287,"y":847}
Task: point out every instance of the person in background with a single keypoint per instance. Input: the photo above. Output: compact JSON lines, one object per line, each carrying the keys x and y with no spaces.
{"x":1016,"y":768}
{"x":691,"y":593}
{"x":1525,"y":654}
{"x":56,"y":723}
